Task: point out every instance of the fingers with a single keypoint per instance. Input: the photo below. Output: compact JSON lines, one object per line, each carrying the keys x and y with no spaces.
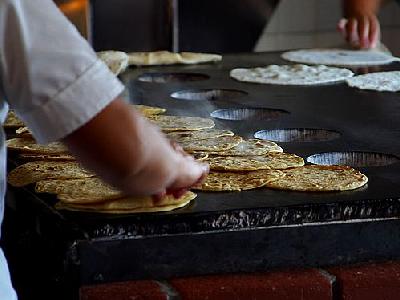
{"x":352,"y":33}
{"x":360,"y":32}
{"x":158,"y":197}
{"x":374,"y":32}
{"x":341,"y":26}
{"x":190,"y":172}
{"x":363,"y":32}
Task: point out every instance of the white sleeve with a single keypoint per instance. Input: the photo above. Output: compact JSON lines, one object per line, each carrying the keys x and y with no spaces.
{"x":50,"y":75}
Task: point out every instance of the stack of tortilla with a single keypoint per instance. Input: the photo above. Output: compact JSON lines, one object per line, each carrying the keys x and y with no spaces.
{"x":236,"y":164}
{"x":54,"y":170}
{"x":79,"y":189}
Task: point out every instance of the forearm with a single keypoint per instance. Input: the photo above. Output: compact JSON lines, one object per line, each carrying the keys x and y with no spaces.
{"x":116,"y":144}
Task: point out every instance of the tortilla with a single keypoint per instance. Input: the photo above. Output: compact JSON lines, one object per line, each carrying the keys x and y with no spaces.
{"x":123,"y":203}
{"x":12,"y":120}
{"x":339,"y":57}
{"x":222,"y":143}
{"x":46,"y":157}
{"x":86,"y":208}
{"x":250,"y":147}
{"x":116,"y":61}
{"x":315,"y":178}
{"x":24,"y":132}
{"x":149,"y":110}
{"x":29,"y":146}
{"x":188,"y":136}
{"x":273,"y":160}
{"x":177,"y":123}
{"x":292,"y":75}
{"x":170,"y":58}
{"x":32,"y":172}
{"x":229,"y":181}
{"x":87,"y":190}
{"x":129,"y":204}
{"x":197,"y":58}
{"x":381,"y":81}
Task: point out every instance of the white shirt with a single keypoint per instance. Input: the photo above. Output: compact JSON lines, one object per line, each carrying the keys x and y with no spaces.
{"x":52,"y":78}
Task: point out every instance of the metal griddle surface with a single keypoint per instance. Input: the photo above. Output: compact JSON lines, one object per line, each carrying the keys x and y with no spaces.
{"x":368,"y":121}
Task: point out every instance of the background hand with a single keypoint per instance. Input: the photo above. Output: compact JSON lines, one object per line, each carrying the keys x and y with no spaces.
{"x":362,"y":32}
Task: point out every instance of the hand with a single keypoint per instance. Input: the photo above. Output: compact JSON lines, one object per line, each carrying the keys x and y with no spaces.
{"x":362,"y":32}
{"x":360,"y":27}
{"x":132,"y":154}
{"x":178,"y":192}
{"x":167,"y":168}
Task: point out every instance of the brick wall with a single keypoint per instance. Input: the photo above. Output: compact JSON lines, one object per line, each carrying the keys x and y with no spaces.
{"x":380,"y":281}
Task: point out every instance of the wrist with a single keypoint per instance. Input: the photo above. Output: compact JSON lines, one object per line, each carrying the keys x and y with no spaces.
{"x":356,"y":8}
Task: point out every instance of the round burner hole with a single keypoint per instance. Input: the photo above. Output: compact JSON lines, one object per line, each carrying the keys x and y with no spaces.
{"x":172,"y":77}
{"x":354,"y":159}
{"x":208,"y":94}
{"x":239,"y":114}
{"x":297,"y":135}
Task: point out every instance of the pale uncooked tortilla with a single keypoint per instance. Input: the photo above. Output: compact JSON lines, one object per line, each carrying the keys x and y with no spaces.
{"x":292,"y":74}
{"x":339,"y":57}
{"x":170,"y":58}
{"x":382,"y":81}
{"x":116,"y":61}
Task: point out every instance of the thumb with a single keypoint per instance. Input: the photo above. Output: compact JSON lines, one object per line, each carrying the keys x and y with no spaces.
{"x":189,"y":173}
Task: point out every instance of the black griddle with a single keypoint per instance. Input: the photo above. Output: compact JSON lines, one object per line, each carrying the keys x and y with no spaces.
{"x":252,"y":230}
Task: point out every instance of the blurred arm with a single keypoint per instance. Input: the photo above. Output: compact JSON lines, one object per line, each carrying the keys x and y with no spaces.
{"x":132,"y":154}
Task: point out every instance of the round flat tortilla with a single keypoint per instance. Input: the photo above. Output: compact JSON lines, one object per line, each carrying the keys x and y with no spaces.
{"x":339,"y":57}
{"x":178,"y":123}
{"x":251,"y":163}
{"x":315,"y":178}
{"x":222,"y":143}
{"x":149,"y":110}
{"x":188,"y":136}
{"x":23,"y":145}
{"x":86,"y":208}
{"x":381,"y":81}
{"x":197,"y":58}
{"x":250,"y":147}
{"x":87,"y":190}
{"x":229,"y":181}
{"x":116,"y":61}
{"x":128,"y":205}
{"x":292,"y":74}
{"x":32,"y":172}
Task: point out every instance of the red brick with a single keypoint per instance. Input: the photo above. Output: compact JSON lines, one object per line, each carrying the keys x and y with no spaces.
{"x":130,"y":290}
{"x":369,"y":281}
{"x":293,"y":285}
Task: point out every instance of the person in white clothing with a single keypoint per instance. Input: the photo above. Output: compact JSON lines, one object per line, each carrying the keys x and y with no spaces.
{"x":52,"y":78}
